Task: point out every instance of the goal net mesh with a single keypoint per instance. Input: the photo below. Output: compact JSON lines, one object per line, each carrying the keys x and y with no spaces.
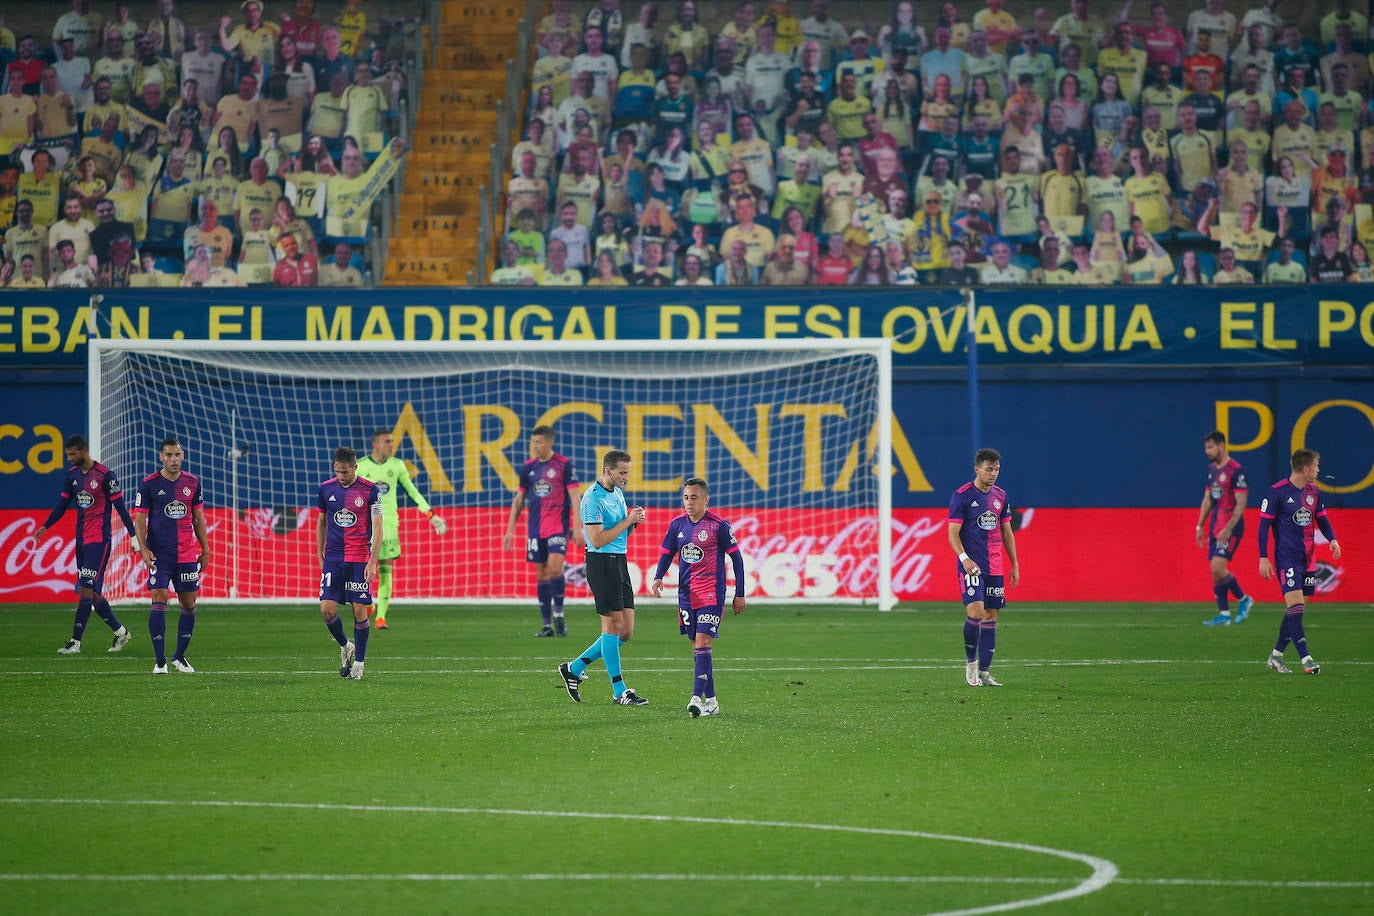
{"x":786,"y":439}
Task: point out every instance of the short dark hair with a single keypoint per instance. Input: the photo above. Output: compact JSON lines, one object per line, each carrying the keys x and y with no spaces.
{"x":542,"y":430}
{"x":987,"y":454}
{"x":1216,"y":436}
{"x":345,"y":455}
{"x":697,"y":482}
{"x":76,"y":442}
{"x":613,"y":457}
{"x":169,"y":442}
{"x":1303,"y":458}
{"x":379,"y":434}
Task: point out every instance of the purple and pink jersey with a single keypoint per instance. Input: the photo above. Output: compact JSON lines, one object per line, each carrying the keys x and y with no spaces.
{"x":1294,"y":514}
{"x":1223,"y":483}
{"x":169,"y":505}
{"x":548,"y":487}
{"x":350,"y":511}
{"x":981,"y":516}
{"x":701,"y":548}
{"x":97,"y":495}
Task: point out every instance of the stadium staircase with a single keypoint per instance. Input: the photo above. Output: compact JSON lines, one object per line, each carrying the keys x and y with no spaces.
{"x":459,"y":122}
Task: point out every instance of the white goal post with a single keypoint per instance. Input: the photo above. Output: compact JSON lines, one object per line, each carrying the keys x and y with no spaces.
{"x":794,"y":436}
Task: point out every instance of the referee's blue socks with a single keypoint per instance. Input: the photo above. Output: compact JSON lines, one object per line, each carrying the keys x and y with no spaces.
{"x":610,"y":654}
{"x":589,"y":655}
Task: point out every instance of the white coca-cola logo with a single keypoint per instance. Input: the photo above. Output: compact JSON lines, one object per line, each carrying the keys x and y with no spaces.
{"x":52,"y":565}
{"x":29,"y":566}
{"x":855,"y":547}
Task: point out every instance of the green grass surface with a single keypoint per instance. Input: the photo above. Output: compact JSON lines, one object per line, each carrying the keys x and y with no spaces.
{"x":849,"y":759}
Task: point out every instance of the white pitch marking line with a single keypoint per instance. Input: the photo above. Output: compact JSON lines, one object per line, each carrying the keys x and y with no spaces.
{"x":809,"y":667}
{"x":1104,"y":871}
{"x":548,"y":876}
{"x":650,"y":876}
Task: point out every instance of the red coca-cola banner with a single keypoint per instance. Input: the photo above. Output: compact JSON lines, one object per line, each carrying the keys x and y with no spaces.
{"x":1080,"y":555}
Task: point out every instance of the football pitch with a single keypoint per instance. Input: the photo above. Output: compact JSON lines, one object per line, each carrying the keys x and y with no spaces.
{"x":1135,"y":762}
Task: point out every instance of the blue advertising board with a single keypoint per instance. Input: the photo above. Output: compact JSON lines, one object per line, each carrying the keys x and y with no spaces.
{"x":1066,"y":443}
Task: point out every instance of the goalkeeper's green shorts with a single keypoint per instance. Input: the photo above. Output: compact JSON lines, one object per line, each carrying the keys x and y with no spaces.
{"x":391,"y":547}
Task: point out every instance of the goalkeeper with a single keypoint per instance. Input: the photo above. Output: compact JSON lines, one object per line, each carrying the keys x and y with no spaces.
{"x":387,"y":471}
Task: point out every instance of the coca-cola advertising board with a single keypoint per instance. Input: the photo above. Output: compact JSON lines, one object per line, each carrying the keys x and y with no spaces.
{"x":1078,"y":555}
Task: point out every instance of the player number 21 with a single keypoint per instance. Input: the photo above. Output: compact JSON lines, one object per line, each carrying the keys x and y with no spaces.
{"x":326,"y":579}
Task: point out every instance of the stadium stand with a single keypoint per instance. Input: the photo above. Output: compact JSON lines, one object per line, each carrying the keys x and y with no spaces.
{"x":1163,"y":91}
{"x":261,"y":135}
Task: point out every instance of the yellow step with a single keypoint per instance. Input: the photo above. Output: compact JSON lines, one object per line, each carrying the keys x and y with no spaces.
{"x":472,"y":100}
{"x":470,"y":11}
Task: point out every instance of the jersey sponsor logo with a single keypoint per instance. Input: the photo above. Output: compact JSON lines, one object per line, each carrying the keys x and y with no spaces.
{"x":542,"y":488}
{"x":691,"y":553}
{"x":344,"y":518}
{"x":189,"y":576}
{"x":711,"y":620}
{"x":1216,"y":492}
{"x":995,"y":591}
{"x":87,"y":573}
{"x":355,"y":586}
{"x":175,"y":510}
{"x":85,"y":500}
{"x":1303,"y":517}
{"x":987,"y":521}
{"x":557,"y":540}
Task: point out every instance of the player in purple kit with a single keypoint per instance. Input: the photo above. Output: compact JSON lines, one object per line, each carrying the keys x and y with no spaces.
{"x":1221,"y":525}
{"x":349,"y":538}
{"x":169,"y":515}
{"x":700,"y":540}
{"x":979,"y":530}
{"x":548,"y":484}
{"x":96,"y":492}
{"x":1293,"y":509}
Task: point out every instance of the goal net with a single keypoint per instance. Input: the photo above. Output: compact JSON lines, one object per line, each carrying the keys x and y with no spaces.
{"x":793,"y":436}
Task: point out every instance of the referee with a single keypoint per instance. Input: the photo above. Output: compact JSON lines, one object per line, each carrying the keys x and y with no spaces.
{"x":607,"y":523}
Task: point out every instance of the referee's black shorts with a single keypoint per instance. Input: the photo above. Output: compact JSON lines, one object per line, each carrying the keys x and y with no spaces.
{"x":608,"y":576}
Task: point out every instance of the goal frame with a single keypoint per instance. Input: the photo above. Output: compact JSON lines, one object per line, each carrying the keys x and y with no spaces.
{"x":880,"y":348}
